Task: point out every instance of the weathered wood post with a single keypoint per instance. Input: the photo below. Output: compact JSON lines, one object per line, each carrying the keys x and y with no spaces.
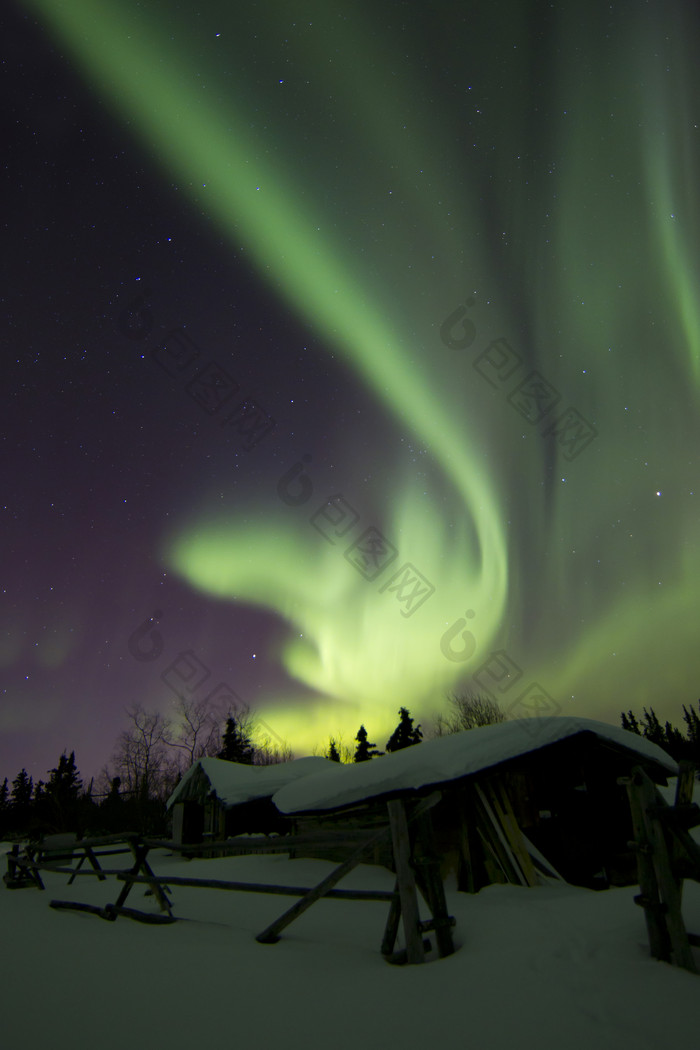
{"x":406,"y":881}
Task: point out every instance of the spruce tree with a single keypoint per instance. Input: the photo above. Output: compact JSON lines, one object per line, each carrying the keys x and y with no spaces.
{"x":22,"y":788}
{"x":4,"y":795}
{"x":64,"y":783}
{"x":630,"y":723}
{"x":237,"y":745}
{"x":333,"y":753}
{"x":404,"y":735}
{"x":652,"y":729}
{"x":364,"y":750}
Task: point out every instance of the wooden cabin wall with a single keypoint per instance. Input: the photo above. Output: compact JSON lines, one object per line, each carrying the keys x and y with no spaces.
{"x":368,"y":818}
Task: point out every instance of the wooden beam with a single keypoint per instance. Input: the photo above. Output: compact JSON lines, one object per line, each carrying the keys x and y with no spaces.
{"x":668,"y":888}
{"x":407,"y":887}
{"x":258,"y":887}
{"x":659,"y":945}
{"x":428,"y":864}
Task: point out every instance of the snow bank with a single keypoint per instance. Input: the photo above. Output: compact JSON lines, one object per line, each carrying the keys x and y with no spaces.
{"x":446,"y":758}
{"x":550,"y":967}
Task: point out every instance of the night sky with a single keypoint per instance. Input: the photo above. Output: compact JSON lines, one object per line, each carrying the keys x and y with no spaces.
{"x":351,"y":357}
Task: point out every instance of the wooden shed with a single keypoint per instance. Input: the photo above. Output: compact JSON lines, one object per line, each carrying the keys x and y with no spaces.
{"x":217,"y":799}
{"x":545,"y":789}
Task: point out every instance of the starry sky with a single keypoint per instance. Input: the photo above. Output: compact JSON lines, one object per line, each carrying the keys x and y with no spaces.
{"x":352,"y":357}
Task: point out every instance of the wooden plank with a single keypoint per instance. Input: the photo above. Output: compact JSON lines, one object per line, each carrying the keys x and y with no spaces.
{"x":407,"y":887}
{"x":504,"y":810}
{"x":668,"y":888}
{"x":659,"y":945}
{"x":498,"y":841}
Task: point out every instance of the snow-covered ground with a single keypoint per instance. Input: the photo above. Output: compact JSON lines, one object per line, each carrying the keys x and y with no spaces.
{"x":543,"y":968}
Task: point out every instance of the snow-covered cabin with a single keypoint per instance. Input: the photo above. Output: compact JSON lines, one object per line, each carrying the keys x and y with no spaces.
{"x":560,"y":776}
{"x":219,"y":799}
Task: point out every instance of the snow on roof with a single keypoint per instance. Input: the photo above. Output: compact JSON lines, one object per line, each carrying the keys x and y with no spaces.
{"x":437,"y":761}
{"x":233,"y":782}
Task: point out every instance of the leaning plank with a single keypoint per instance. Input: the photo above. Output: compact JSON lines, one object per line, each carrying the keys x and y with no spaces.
{"x":511,"y":829}
{"x":270,"y":935}
{"x":415,"y":952}
{"x":500,"y":840}
{"x":259,"y":887}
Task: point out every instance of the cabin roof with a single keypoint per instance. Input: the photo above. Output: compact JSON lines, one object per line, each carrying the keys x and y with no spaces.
{"x":233,"y":783}
{"x":444,"y":759}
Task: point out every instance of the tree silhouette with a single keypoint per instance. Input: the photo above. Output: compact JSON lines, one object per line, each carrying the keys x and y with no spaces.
{"x":404,"y":735}
{"x":22,"y":788}
{"x":364,"y":750}
{"x":237,"y":744}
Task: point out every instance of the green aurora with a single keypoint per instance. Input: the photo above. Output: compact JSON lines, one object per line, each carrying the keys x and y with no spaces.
{"x":379,"y":179}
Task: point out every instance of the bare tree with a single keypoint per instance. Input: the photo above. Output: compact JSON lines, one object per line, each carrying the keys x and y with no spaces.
{"x":193,"y":732}
{"x":141,"y":758}
{"x":468,"y":711}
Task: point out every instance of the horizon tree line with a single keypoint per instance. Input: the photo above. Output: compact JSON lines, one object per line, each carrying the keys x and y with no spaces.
{"x":154,"y":752}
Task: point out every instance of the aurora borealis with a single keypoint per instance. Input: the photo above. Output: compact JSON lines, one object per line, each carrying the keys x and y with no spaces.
{"x":445,"y":260}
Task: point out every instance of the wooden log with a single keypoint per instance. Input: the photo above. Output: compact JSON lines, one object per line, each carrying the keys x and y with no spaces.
{"x":659,"y":944}
{"x":92,"y":909}
{"x":407,"y":886}
{"x":258,"y":887}
{"x":668,"y":888}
